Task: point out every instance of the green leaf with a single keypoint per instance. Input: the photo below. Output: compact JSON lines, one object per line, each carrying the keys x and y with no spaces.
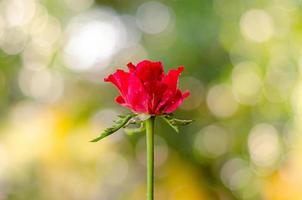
{"x":139,"y":118}
{"x":171,"y":125}
{"x":134,"y":130}
{"x":136,"y":124}
{"x":175,"y":123}
{"x":120,"y":123}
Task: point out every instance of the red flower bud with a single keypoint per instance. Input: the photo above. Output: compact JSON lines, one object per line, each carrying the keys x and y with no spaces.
{"x":147,"y":89}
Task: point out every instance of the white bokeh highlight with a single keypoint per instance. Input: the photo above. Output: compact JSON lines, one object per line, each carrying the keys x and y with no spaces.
{"x":92,"y":39}
{"x":211,"y":141}
{"x":246,"y":83}
{"x":221,"y":101}
{"x":263,"y":145}
{"x":257,"y":25}
{"x":153,"y":17}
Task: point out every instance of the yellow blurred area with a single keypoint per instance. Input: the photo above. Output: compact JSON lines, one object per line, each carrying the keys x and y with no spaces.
{"x":179,"y":183}
{"x":288,"y":179}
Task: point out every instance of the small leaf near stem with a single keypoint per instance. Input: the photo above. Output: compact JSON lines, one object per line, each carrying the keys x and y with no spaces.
{"x":137,"y":124}
{"x":175,"y":123}
{"x":133,"y":130}
{"x":120,"y":123}
{"x":175,"y":128}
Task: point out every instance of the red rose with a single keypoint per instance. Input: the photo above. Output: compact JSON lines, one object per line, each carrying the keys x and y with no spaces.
{"x":147,"y":89}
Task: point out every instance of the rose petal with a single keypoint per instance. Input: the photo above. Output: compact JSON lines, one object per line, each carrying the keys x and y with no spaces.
{"x":137,"y":96}
{"x":155,"y":90}
{"x":171,"y":79}
{"x":176,"y":101}
{"x":150,"y":71}
{"x":120,"y":100}
{"x":131,"y":67}
{"x":120,"y":80}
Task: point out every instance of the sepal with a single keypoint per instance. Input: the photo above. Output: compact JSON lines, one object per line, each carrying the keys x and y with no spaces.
{"x":138,"y":118}
{"x":136,"y":124}
{"x":174,"y":122}
{"x":137,"y":128}
{"x":120,"y":123}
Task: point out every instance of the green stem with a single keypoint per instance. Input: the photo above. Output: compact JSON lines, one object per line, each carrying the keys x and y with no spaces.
{"x":150,"y":157}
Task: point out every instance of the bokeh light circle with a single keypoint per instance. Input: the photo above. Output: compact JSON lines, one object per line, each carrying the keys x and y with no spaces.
{"x":257,"y":25}
{"x":264,"y":146}
{"x":153,"y":17}
{"x":220,"y":101}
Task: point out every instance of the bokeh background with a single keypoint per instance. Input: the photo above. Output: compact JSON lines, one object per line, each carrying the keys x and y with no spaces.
{"x":243,"y":64}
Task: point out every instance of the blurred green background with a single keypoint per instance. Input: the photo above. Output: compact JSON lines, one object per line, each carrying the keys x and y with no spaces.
{"x":243,"y":64}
